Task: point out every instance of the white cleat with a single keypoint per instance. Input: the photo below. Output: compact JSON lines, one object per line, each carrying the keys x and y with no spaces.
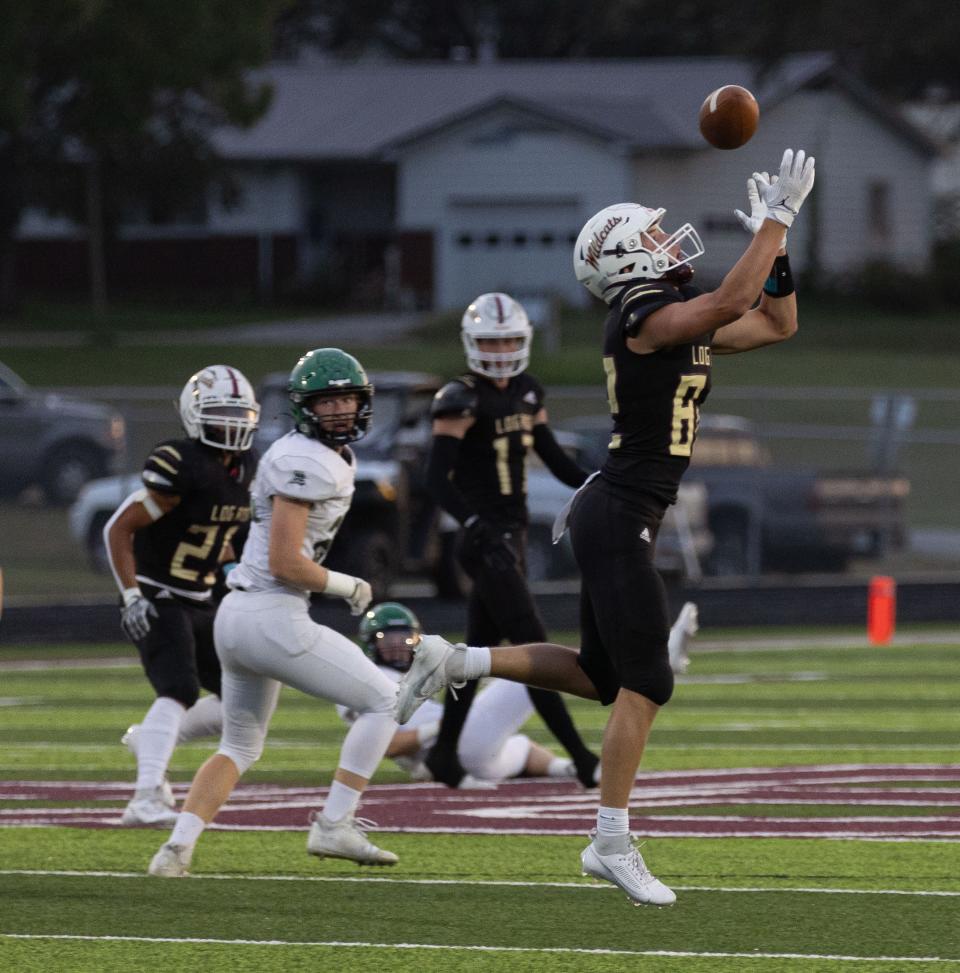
{"x":171,"y":861}
{"x":426,"y":676}
{"x":629,"y":873}
{"x":149,"y":811}
{"x":130,"y":740}
{"x":684,"y":628}
{"x":345,"y":839}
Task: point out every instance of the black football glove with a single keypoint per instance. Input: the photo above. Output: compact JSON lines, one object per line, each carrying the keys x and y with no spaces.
{"x":490,"y":544}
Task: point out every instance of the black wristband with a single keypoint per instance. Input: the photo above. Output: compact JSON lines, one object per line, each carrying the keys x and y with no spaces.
{"x":780,"y":281}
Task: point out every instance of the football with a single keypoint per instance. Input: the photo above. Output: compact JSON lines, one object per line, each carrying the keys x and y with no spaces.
{"x":729,"y":116}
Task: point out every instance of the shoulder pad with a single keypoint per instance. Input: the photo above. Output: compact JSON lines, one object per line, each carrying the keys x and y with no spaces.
{"x":456,"y":398}
{"x":641,"y":300}
{"x":306,"y":477}
{"x":168,"y":467}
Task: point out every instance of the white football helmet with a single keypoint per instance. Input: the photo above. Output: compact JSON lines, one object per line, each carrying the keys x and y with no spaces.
{"x":496,"y":316}
{"x":615,"y":246}
{"x":218,"y":407}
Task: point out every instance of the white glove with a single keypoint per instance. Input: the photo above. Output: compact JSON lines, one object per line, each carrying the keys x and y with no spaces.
{"x":757,"y":185}
{"x":136,"y":614}
{"x":355,"y":591}
{"x":784,"y":195}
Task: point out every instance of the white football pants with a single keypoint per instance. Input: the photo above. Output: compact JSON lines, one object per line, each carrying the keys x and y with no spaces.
{"x":265,"y":639}
{"x":490,"y":747}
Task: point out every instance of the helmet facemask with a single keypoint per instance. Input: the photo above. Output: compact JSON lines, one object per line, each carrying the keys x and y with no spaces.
{"x":217,"y":406}
{"x":394,"y":647}
{"x":496,"y":316}
{"x":620,"y":244}
{"x":389,"y":633}
{"x":334,"y":428}
{"x":330,"y":372}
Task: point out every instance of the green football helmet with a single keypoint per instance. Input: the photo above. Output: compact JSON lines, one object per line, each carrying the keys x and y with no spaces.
{"x":329,"y":371}
{"x":389,"y":632}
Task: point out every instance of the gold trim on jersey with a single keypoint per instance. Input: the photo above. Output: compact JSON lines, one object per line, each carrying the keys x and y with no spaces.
{"x":169,"y":449}
{"x":639,"y":291}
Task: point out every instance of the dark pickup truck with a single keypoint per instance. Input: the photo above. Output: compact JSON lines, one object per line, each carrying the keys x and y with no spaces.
{"x":772,"y":518}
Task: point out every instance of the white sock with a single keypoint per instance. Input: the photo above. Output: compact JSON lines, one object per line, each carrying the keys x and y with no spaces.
{"x":341,"y":801}
{"x":203,"y":719}
{"x":474,"y":663}
{"x":156,"y":742}
{"x":613,"y":830}
{"x":561,"y":767}
{"x":187,"y":830}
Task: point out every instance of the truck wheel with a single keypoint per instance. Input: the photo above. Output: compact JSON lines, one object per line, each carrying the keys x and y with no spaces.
{"x":67,"y":468}
{"x":729,"y":553}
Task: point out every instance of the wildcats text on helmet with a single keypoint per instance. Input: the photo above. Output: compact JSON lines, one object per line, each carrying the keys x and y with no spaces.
{"x":595,"y":247}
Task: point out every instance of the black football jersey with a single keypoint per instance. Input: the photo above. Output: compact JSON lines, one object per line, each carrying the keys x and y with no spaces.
{"x":655,"y":398}
{"x":491,"y":470}
{"x":182,"y":549}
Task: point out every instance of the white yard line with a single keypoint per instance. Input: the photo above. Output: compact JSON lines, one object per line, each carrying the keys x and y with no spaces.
{"x":456,"y":948}
{"x":587,"y":886}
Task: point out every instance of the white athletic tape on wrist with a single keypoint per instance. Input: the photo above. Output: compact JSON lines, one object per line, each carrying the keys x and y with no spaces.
{"x":130,"y":595}
{"x":341,"y":585}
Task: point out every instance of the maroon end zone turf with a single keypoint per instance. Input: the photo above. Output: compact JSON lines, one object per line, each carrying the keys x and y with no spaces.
{"x":564,"y":808}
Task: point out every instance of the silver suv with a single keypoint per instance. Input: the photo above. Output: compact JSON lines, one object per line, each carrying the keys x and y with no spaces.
{"x":55,"y":442}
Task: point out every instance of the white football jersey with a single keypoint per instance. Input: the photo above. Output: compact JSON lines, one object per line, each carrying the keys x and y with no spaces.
{"x":300,"y":468}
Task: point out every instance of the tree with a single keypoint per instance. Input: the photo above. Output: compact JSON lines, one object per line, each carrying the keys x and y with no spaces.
{"x":116,"y":87}
{"x":900,"y":49}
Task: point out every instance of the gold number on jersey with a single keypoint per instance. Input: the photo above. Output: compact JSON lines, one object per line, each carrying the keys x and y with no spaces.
{"x":501,"y":446}
{"x":201,"y":551}
{"x":686,"y":413}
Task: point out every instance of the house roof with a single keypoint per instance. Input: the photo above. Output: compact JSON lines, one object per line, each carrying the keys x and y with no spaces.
{"x":332,"y":110}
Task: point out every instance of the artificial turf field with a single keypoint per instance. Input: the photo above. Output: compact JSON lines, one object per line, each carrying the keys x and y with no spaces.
{"x":865,"y":742}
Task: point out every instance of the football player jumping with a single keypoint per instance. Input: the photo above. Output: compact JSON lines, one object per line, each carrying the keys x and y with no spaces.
{"x":165,"y":544}
{"x":659,"y":336}
{"x":484,"y":424}
{"x":264,"y":634}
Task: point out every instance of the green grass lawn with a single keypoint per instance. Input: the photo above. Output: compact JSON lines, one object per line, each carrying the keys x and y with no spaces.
{"x":841,"y":343}
{"x":498,"y":903}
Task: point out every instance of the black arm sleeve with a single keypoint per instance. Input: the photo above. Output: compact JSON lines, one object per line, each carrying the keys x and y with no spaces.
{"x":443,"y":458}
{"x":556,"y":460}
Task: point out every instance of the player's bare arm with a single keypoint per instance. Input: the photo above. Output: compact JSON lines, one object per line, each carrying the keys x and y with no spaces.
{"x":683,"y":322}
{"x":287,"y":531}
{"x":137,"y":514}
{"x":772,"y":321}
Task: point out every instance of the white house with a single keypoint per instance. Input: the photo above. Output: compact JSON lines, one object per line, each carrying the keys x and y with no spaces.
{"x":427,"y":183}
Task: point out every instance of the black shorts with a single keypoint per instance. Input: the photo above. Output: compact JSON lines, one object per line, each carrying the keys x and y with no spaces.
{"x":624,"y":618}
{"x":177,"y":653}
{"x":500,"y":606}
